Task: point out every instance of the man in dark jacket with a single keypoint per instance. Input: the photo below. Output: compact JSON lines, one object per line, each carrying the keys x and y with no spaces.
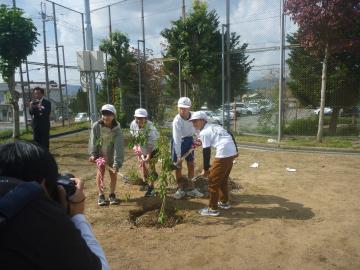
{"x":42,"y":226}
{"x":40,"y":109}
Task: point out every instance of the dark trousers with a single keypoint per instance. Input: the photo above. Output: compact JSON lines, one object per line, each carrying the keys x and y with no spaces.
{"x":41,"y":136}
{"x":218,"y":180}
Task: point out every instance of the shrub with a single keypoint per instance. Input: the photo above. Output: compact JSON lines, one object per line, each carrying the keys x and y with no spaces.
{"x":307,"y":127}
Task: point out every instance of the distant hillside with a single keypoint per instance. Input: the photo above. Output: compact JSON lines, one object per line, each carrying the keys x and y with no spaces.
{"x":261,"y":84}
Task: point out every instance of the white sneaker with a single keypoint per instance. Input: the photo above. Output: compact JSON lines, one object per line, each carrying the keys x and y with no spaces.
{"x":179,"y":194}
{"x":195,"y":193}
{"x":209,"y":212}
{"x":224,"y":205}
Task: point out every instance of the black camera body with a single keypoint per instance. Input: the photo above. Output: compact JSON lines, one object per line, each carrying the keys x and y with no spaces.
{"x":35,"y":102}
{"x":68,"y":184}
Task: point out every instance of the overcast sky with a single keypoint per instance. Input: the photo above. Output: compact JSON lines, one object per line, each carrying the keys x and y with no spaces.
{"x":257,"y":21}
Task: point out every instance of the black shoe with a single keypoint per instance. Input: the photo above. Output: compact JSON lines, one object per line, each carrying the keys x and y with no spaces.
{"x":101,"y":200}
{"x":150,"y":192}
{"x":113,"y":200}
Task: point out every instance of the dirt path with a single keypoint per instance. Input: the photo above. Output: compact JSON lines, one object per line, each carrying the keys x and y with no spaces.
{"x":308,"y":219}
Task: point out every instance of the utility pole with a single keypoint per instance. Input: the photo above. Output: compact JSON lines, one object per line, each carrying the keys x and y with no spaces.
{"x":89,"y":47}
{"x":28,"y":78}
{"x":281,"y":73}
{"x":23,"y":97}
{"x":139,"y":71}
{"x":66,"y":89}
{"x":58,"y":65}
{"x":44,"y":19}
{"x":180,"y":70}
{"x":228,"y":73}
{"x":106,"y":58}
{"x":143,"y":41}
{"x":223,"y":72}
{"x":183,"y":9}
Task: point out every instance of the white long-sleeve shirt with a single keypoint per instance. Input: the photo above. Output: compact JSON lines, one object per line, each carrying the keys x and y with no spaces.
{"x":152,"y":138}
{"x":181,"y":128}
{"x":84,"y":227}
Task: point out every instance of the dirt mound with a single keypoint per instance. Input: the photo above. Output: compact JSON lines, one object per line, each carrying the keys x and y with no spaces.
{"x":149,"y":218}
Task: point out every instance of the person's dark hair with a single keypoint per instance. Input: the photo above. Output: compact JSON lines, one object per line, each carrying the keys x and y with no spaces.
{"x":39,"y":89}
{"x":28,"y":161}
{"x":114,"y":123}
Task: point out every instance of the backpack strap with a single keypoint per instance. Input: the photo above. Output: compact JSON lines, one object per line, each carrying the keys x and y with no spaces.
{"x":17,"y":198}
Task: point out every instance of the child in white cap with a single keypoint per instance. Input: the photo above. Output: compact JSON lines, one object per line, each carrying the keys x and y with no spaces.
{"x":215,"y":136}
{"x":182,"y":142}
{"x":106,"y":148}
{"x":146,"y":150}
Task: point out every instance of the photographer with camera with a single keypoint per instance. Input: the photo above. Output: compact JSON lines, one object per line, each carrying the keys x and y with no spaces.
{"x":40,"y":109}
{"x":42,"y":225}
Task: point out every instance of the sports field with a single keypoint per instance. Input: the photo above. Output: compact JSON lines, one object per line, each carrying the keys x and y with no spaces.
{"x":308,"y":219}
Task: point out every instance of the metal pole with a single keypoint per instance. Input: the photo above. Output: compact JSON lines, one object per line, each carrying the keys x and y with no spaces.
{"x":23,"y":97}
{"x":222,"y":73}
{"x":106,"y":58}
{"x":228,"y":75}
{"x":281,"y":75}
{"x":14,"y":4}
{"x":139,"y":71}
{"x":66,"y":89}
{"x":143,"y":41}
{"x":43,"y":17}
{"x":83,"y":31}
{"x":58,"y":66}
{"x":183,"y":10}
{"x":89,"y":47}
{"x":109,"y":12}
{"x":28,"y":78}
{"x":179,"y":78}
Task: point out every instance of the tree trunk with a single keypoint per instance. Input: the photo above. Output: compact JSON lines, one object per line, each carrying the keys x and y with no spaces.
{"x":15,"y":104}
{"x":333,"y":120}
{"x":195,"y":96}
{"x":322,"y":96}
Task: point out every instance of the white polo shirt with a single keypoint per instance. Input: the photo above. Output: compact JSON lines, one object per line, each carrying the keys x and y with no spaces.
{"x":181,"y":128}
{"x":215,"y":136}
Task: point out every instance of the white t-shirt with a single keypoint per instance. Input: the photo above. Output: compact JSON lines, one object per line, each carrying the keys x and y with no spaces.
{"x":181,"y":128}
{"x":215,"y":136}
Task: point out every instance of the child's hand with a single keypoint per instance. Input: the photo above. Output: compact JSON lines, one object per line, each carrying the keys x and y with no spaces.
{"x":197,"y":143}
{"x":92,"y":159}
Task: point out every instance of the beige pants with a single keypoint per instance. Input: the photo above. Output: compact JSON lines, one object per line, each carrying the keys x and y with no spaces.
{"x":218,"y":180}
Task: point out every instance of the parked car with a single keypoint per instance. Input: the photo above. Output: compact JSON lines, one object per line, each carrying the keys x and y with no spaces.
{"x":240,"y":108}
{"x":211,"y":117}
{"x":252,"y":108}
{"x":327,"y":111}
{"x":82,"y":116}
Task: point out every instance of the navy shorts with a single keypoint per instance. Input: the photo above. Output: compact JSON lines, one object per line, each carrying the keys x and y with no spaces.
{"x":186,"y":145}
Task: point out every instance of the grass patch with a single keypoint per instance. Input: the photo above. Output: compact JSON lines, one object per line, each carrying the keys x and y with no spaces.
{"x":6,"y":135}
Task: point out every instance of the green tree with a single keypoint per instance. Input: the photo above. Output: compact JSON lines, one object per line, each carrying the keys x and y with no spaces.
{"x":121,"y":73}
{"x":325,"y":29}
{"x":18,"y":38}
{"x":80,"y":103}
{"x":343,"y":81}
{"x":196,"y":42}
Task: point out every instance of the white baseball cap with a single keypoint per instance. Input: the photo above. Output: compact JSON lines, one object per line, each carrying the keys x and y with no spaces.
{"x":109,"y":107}
{"x":140,"y":113}
{"x":184,"y":102}
{"x":198,"y":115}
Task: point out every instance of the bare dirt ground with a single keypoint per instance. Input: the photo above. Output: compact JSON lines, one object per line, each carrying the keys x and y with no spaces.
{"x":308,"y":219}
